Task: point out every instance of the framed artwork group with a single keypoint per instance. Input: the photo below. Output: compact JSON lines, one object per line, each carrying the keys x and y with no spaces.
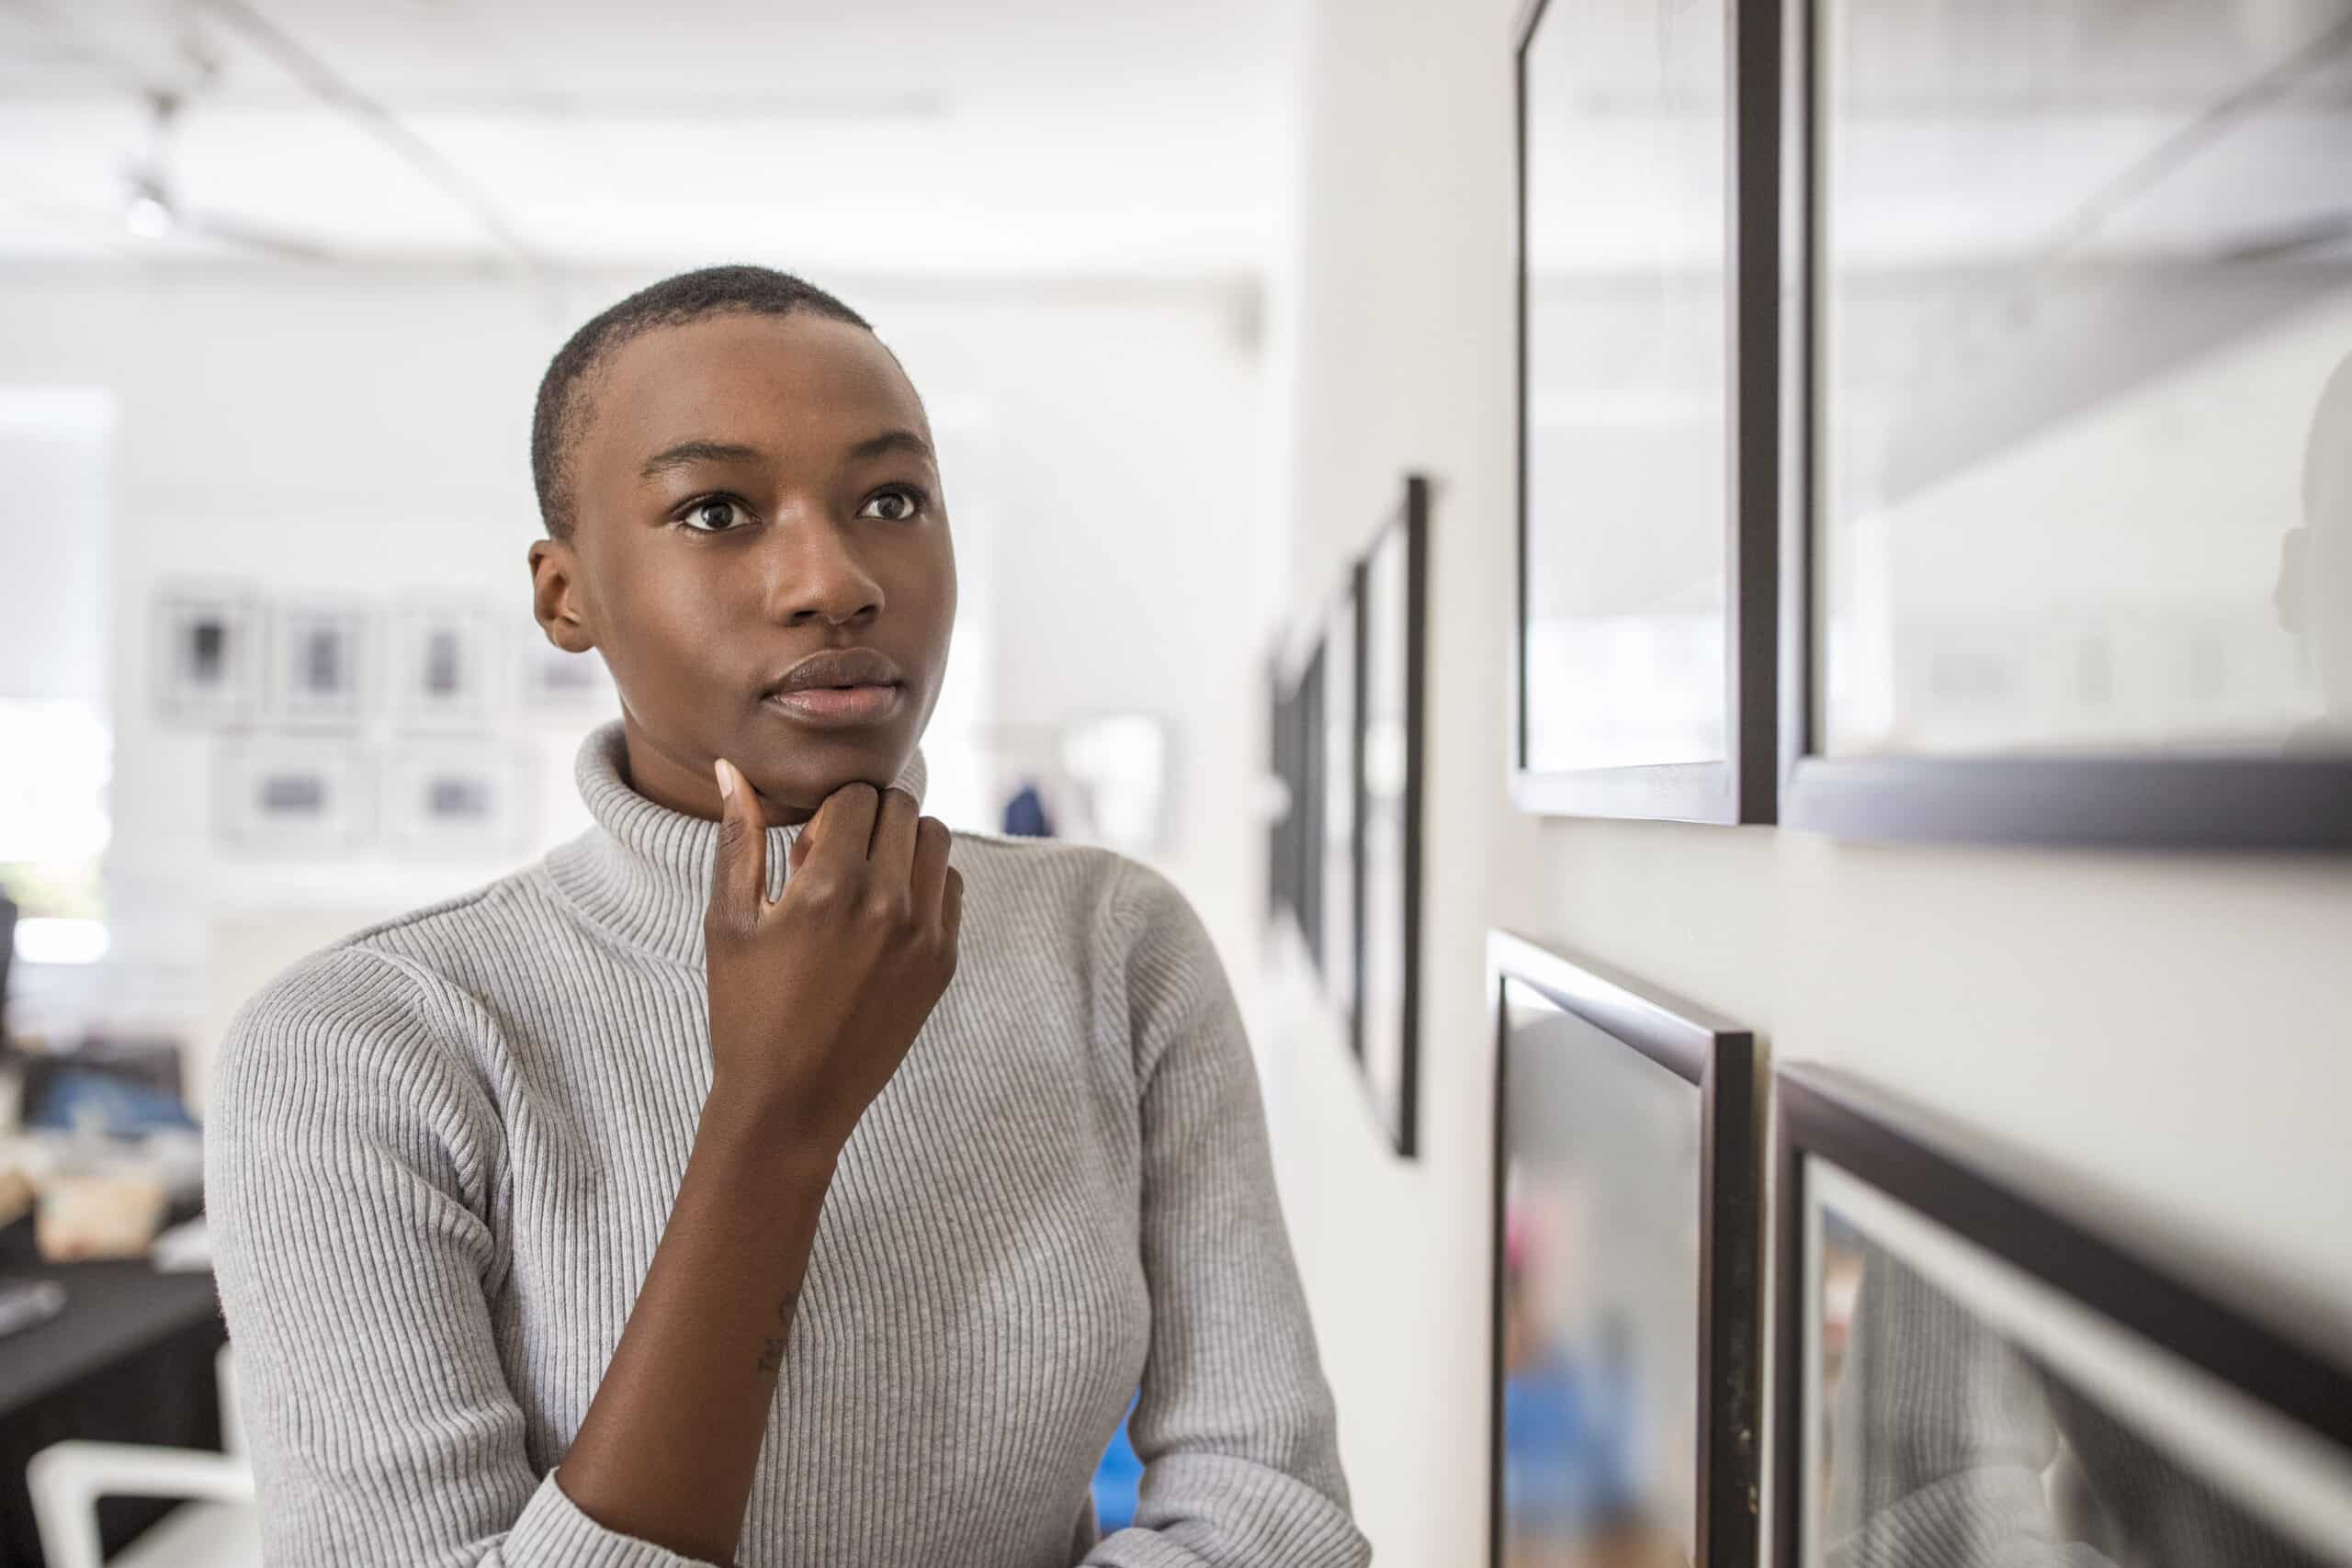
{"x":1862,"y":485}
{"x":342,"y":722}
{"x":1972,"y":1365}
{"x":1344,"y":847}
{"x":1868,"y":486}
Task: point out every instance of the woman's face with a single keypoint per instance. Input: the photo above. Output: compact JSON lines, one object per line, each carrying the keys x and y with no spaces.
{"x":749,"y":490}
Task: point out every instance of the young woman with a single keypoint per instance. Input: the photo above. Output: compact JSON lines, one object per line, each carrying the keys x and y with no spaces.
{"x":761,"y":1176}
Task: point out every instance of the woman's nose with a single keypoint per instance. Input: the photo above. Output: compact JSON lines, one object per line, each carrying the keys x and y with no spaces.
{"x":813,"y":571}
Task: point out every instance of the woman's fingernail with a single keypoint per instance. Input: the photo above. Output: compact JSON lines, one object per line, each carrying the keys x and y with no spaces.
{"x":725,"y":777}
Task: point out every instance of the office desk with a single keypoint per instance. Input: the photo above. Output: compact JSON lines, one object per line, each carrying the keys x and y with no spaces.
{"x":129,"y":1359}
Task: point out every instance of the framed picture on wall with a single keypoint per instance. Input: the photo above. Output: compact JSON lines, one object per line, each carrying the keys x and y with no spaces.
{"x":556,"y":682}
{"x":445,"y":662}
{"x":457,"y":800}
{"x":1624,"y":1389}
{"x":322,"y":658}
{"x":1392,"y":592}
{"x":1646,"y":641}
{"x":1312,"y":800}
{"x":1294,"y":844}
{"x":205,"y":647}
{"x":2070,"y":521}
{"x":1281,"y":792}
{"x":1970,"y":1370}
{"x":285,"y":795}
{"x":1341,"y":747}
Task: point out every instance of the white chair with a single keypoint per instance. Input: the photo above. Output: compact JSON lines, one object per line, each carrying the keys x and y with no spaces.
{"x":219,"y":1527}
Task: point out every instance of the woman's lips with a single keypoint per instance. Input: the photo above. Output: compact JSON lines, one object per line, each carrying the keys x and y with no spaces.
{"x":837,"y":707}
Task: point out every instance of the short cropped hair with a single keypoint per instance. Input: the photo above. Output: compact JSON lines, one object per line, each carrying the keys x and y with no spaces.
{"x":563,"y":409}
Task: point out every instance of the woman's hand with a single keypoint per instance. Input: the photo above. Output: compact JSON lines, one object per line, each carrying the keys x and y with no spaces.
{"x":816,"y":998}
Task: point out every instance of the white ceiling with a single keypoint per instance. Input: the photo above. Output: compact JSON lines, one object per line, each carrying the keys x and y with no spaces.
{"x":897,"y":136}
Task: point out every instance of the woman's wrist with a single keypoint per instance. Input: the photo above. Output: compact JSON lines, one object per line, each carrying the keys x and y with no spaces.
{"x":739,"y":1127}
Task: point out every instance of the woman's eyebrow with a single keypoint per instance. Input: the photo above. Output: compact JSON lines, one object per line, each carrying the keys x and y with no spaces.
{"x":890,"y":441}
{"x":687,"y":452}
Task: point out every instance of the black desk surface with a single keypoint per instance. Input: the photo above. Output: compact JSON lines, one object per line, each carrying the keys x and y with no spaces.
{"x":112,"y":1310}
{"x":128,"y":1360}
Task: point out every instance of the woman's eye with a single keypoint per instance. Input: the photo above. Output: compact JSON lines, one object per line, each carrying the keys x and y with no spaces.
{"x":713,"y":517}
{"x":891,"y":505}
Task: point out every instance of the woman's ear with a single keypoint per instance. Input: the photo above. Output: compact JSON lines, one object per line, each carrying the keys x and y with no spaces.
{"x":555,"y":595}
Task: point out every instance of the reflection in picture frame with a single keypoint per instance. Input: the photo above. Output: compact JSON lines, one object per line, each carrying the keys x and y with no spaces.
{"x":1294,"y":849}
{"x":444,"y":663}
{"x":320,"y":662}
{"x":205,"y":653}
{"x":2034,"y":591}
{"x":457,"y":800}
{"x":1625,"y":1382}
{"x":283,"y":795}
{"x":1971,"y":1371}
{"x":1646,"y":645}
{"x":1392,"y":592}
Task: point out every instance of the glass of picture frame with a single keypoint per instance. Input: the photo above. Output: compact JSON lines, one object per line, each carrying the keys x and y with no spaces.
{"x":1647,"y":648}
{"x":1341,"y":746}
{"x":1307,"y":712}
{"x":2070,"y":470}
{"x":1393,"y":594}
{"x":1970,"y":1371}
{"x":1625,"y":1382}
{"x":1294,"y":842}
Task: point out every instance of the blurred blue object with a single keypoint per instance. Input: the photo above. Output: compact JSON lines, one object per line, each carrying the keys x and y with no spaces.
{"x":111,"y":1104}
{"x":1025,"y":814}
{"x":1117,"y":1478}
{"x":1569,"y":1443}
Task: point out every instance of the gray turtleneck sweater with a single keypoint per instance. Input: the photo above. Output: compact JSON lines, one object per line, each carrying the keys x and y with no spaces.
{"x":440,"y":1152}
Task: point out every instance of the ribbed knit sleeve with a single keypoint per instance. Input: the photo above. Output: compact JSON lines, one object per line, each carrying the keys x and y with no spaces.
{"x":352,"y":1158}
{"x":1940,"y":1433}
{"x":1234,"y":1425}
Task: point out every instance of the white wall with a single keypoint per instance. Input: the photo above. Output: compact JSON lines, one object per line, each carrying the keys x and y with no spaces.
{"x":325,"y":430}
{"x":54,"y":450}
{"x":2170,"y":1029}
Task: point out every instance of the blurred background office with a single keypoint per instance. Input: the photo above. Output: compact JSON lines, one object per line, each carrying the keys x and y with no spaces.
{"x":1188,"y":290}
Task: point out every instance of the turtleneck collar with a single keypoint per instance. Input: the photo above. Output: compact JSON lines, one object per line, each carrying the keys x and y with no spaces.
{"x":642,"y":871}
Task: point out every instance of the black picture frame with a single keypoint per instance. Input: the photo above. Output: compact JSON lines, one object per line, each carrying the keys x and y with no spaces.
{"x":2202,"y":1314}
{"x":1391,"y":585}
{"x":1720,"y":1064}
{"x":1743,"y":787}
{"x":2086,"y":799}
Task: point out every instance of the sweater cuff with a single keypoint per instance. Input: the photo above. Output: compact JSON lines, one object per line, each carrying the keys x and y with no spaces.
{"x":552,"y":1530}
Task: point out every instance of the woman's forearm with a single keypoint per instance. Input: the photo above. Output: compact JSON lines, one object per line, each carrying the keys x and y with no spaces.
{"x":668,"y":1448}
